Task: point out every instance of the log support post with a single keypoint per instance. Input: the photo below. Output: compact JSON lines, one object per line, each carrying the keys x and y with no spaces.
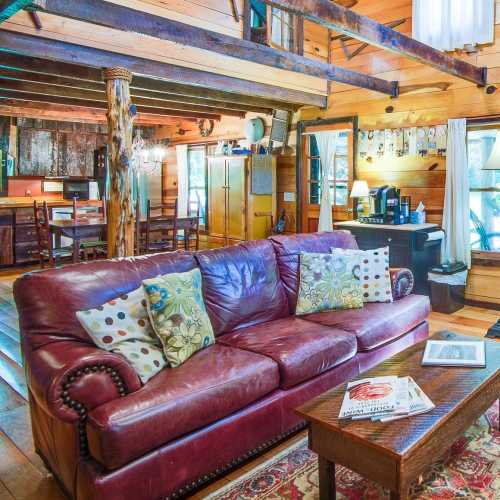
{"x":120,"y":209}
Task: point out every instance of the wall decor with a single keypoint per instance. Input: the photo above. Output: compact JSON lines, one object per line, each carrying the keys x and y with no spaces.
{"x":399,"y":142}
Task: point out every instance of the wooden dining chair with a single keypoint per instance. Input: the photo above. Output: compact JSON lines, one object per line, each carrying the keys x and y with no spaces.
{"x":161,"y":227}
{"x":83,"y":209}
{"x":46,"y":250}
{"x":189,"y":229}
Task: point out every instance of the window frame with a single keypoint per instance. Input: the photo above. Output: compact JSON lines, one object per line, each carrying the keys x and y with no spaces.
{"x":479,"y":255}
{"x":297,"y":31}
{"x":302,"y":174}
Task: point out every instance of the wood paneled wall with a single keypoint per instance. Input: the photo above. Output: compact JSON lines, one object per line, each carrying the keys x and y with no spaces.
{"x":421,"y":178}
{"x":229,"y":128}
{"x":58,"y":148}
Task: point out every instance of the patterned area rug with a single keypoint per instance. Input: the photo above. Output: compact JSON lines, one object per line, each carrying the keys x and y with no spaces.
{"x":469,"y":470}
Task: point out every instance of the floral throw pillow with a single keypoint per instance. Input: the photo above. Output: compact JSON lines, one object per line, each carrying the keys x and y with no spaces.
{"x":122,"y":326}
{"x":375,"y":277}
{"x":178,"y":314}
{"x":328,"y":282}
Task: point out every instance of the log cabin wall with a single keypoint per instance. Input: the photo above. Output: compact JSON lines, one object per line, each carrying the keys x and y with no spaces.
{"x":421,"y":178}
{"x":58,"y":148}
{"x":229,"y":129}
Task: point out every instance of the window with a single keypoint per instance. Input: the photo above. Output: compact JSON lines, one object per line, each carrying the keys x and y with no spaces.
{"x":484,"y":190}
{"x":197,"y":181}
{"x":339,"y":174}
{"x":274,"y":27}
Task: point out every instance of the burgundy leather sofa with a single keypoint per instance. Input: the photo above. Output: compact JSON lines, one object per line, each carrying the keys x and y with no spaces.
{"x":107,"y":437}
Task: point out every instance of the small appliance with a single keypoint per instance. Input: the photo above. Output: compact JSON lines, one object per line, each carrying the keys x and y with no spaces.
{"x":80,"y":189}
{"x":385,"y":206}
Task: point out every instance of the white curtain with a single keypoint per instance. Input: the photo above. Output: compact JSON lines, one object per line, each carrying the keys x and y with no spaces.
{"x":182,"y":179}
{"x":452,"y":24}
{"x":456,"y":219}
{"x":327,"y":144}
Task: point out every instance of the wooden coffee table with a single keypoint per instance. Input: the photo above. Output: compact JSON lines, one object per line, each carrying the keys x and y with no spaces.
{"x":396,"y":453}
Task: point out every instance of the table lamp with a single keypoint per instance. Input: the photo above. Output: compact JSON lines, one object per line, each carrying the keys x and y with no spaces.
{"x":359,"y":191}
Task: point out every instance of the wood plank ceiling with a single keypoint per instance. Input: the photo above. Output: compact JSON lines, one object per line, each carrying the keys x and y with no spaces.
{"x":36,"y":70}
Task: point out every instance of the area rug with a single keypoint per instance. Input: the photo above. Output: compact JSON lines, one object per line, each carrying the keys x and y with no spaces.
{"x":469,"y":470}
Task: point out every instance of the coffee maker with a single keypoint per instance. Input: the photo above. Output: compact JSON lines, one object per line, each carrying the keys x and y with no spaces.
{"x":385,"y":206}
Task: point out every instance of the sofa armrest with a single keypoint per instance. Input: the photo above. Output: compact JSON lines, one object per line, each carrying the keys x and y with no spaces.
{"x":68,"y":379}
{"x":402,"y":282}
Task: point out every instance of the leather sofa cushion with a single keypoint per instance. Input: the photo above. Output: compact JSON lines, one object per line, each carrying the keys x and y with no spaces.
{"x":241,"y":285}
{"x":301,"y":348}
{"x":48,"y":300}
{"x":377,"y":323}
{"x":289,"y":247}
{"x":212,"y":384}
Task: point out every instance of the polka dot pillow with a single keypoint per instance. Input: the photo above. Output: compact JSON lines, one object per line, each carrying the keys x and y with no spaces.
{"x":374,"y":275}
{"x":122,"y":325}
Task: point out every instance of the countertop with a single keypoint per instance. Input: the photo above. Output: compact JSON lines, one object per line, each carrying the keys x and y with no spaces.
{"x":27,"y":201}
{"x":400,"y":227}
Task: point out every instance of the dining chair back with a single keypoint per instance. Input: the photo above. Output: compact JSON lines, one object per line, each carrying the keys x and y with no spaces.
{"x":191,"y":226}
{"x":89,"y":208}
{"x":161,"y":227}
{"x":83,"y":209}
{"x":46,"y":250}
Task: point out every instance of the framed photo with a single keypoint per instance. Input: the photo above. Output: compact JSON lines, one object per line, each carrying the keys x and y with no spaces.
{"x":454,"y":353}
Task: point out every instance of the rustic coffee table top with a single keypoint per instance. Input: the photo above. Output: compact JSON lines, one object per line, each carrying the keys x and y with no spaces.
{"x":461,"y":394}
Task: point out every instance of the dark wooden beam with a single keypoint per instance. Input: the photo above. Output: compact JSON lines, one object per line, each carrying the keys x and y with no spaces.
{"x":74,"y":83}
{"x":10,"y":7}
{"x":87,"y":56}
{"x":70,"y":101}
{"x":65,"y":112}
{"x":123,"y":18}
{"x":93,"y":95}
{"x":338,"y":18}
{"x":85,"y":74}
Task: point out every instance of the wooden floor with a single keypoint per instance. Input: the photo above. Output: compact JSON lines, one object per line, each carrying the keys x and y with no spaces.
{"x":22,"y":473}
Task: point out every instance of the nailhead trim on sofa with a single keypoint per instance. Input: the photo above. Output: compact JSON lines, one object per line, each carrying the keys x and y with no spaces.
{"x":79,"y":407}
{"x":181,"y":492}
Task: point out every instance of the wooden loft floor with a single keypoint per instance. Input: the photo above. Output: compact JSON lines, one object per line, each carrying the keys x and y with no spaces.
{"x":22,"y":472}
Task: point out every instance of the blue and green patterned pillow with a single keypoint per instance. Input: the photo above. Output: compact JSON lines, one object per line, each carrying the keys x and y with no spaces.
{"x":178,"y":314}
{"x":329,"y":282}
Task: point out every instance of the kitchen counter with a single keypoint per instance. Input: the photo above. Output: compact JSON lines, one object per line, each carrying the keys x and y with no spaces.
{"x":394,"y":227}
{"x":27,"y":201}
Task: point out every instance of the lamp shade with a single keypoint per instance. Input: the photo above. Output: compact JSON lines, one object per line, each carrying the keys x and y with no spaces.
{"x":493,"y":162}
{"x":360,"y":189}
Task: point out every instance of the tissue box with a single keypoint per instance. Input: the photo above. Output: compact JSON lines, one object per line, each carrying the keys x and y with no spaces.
{"x":417,"y":217}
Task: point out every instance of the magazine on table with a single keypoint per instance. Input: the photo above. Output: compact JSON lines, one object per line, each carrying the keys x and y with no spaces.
{"x":369,"y":396}
{"x":384,"y":399}
{"x":418,"y":401}
{"x":454,"y":353}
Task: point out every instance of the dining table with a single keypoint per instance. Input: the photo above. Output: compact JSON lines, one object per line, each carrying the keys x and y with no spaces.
{"x":92,"y":227}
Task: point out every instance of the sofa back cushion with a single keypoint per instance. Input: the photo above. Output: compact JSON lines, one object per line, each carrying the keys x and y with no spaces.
{"x":241,"y":285}
{"x":288,"y":249}
{"x":48,"y":300}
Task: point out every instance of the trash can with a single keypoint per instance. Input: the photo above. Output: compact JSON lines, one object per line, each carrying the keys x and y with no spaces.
{"x":447,"y":286}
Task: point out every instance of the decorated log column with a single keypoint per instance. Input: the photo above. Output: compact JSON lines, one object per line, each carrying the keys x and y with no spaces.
{"x":120,"y":209}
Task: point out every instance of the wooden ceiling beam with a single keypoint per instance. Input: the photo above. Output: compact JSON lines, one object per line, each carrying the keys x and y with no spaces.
{"x":335,"y":17}
{"x":8,"y":8}
{"x":126,"y":19}
{"x":70,"y":101}
{"x":100,"y":95}
{"x":88,"y":56}
{"x":64,"y":112}
{"x":26,"y":76}
{"x":85,"y":74}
